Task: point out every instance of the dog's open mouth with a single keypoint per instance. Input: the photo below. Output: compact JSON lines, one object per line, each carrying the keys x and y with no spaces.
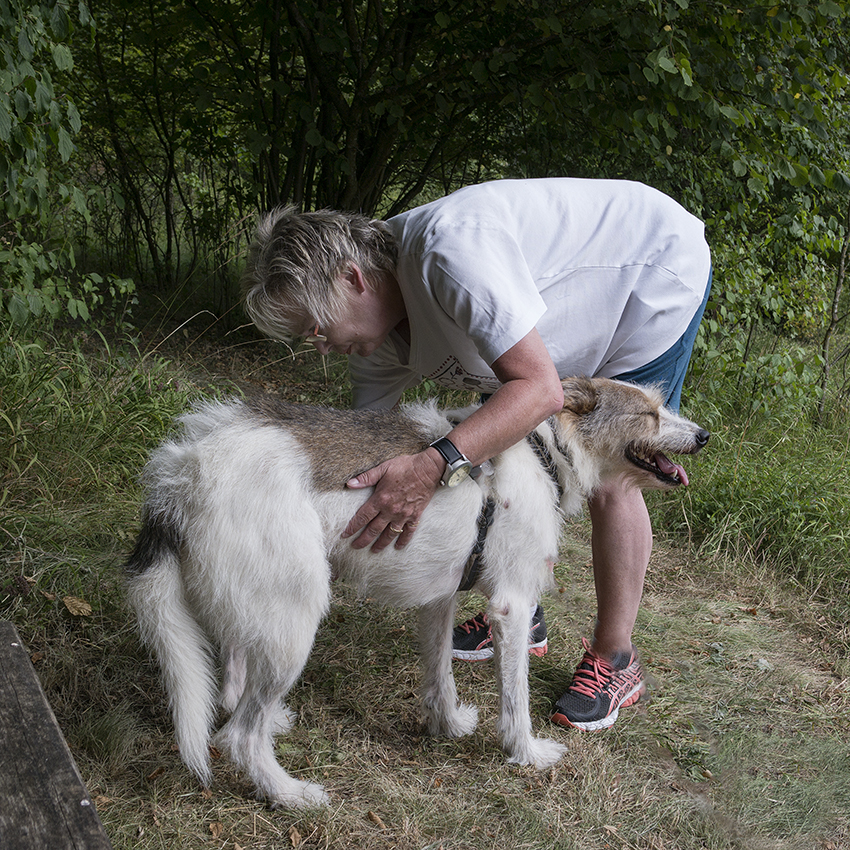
{"x":659,"y":465}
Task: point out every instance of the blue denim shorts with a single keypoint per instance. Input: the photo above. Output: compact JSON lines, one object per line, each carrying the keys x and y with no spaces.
{"x":668,"y":370}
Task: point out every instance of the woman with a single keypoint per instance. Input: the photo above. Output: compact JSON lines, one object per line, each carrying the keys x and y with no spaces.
{"x":504,"y":288}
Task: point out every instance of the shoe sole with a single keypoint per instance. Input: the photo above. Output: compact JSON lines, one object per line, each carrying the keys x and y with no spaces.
{"x":536,"y":649}
{"x":605,"y":722}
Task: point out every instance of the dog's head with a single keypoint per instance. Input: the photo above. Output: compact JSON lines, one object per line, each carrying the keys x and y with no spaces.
{"x":627,"y":429}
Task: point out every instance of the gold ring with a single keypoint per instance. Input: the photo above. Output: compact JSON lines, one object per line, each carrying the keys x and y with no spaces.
{"x":395,"y":530}
{"x":412,"y":524}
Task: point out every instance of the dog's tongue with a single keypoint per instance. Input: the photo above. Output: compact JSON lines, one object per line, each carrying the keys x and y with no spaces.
{"x":670,"y":468}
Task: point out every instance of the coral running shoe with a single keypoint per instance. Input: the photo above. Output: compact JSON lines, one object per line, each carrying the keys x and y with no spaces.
{"x":473,"y":640}
{"x":598,"y":691}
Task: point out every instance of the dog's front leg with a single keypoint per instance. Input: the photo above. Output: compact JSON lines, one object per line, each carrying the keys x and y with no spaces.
{"x":509,"y":621}
{"x":443,"y":715}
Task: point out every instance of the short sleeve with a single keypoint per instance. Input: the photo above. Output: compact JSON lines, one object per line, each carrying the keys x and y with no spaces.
{"x":479,"y":277}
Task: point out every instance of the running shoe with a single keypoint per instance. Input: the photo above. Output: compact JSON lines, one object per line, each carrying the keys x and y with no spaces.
{"x":473,"y":640}
{"x":598,"y":691}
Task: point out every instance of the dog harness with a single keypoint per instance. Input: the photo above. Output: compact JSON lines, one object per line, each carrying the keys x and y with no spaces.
{"x":472,"y":570}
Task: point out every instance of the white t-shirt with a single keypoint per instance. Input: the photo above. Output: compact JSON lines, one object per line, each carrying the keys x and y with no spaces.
{"x":610,"y":272}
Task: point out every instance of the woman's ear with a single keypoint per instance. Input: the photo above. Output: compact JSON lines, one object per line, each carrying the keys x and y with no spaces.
{"x":354,"y":277}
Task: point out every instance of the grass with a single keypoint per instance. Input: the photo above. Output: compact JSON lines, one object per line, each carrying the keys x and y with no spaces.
{"x":742,"y":745}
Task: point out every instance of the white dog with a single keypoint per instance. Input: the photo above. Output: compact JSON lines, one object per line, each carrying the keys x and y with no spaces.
{"x":241,"y":538}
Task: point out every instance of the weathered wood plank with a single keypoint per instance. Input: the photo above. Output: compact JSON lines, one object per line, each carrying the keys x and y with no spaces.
{"x":44,"y":804}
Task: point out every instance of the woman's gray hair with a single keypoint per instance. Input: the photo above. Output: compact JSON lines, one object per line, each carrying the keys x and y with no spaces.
{"x":297,"y":261}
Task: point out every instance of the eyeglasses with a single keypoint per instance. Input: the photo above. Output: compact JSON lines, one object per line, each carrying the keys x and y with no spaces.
{"x":315,"y":337}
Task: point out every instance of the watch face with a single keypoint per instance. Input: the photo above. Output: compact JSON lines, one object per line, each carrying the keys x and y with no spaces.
{"x":458,"y":475}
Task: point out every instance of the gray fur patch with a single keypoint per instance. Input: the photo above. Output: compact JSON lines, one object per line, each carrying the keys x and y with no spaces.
{"x":341,"y":443}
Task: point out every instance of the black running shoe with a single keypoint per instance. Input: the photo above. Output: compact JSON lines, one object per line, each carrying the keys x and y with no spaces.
{"x":473,"y":640}
{"x":598,"y":692}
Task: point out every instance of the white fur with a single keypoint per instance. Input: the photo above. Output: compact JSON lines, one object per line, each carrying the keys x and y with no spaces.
{"x":249,"y":573}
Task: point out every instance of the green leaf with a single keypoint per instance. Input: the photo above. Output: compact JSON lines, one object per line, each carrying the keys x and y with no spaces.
{"x":74,"y":117}
{"x":22,"y":104}
{"x":42,"y":98}
{"x":65,"y":145}
{"x":35,"y":303}
{"x":732,"y":114}
{"x":18,"y":309}
{"x":667,"y":64}
{"x":62,"y":57}
{"x":79,"y":201}
{"x":840,"y":182}
{"x":25,"y":45}
{"x":59,"y":22}
{"x":5,"y":122}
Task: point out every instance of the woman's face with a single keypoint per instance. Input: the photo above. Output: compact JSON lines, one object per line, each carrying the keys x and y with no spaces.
{"x":372,"y":312}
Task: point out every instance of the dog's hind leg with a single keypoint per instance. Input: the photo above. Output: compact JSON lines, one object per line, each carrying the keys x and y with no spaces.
{"x":509,"y":622}
{"x":443,"y":715}
{"x":248,"y":736}
{"x":234,"y":662}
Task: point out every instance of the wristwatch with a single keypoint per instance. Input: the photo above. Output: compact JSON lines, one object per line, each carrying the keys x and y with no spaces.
{"x":458,"y":466}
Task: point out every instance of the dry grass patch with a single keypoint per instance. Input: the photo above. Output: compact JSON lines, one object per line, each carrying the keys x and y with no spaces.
{"x":743,"y":743}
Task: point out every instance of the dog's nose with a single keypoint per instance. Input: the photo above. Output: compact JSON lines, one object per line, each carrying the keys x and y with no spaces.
{"x":702,"y":437}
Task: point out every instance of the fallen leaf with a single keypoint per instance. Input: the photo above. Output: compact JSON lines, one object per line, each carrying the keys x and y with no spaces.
{"x":294,"y":836}
{"x":216,"y":828}
{"x":376,"y":820}
{"x":78,"y":607}
{"x":156,"y":773}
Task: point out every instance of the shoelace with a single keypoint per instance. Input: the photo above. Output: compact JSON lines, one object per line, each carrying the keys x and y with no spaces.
{"x":477,"y":622}
{"x":592,"y":674}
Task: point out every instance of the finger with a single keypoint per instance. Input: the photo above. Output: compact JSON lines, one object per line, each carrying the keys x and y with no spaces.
{"x":407,"y":533}
{"x":359,"y":521}
{"x":375,"y":532}
{"x":387,"y":536}
{"x":367,"y":479}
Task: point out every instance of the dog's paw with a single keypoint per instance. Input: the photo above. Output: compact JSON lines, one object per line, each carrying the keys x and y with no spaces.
{"x":299,"y":795}
{"x":459,"y":721}
{"x":539,"y":752}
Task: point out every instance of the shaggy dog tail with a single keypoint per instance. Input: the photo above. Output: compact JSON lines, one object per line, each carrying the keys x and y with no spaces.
{"x":168,"y":627}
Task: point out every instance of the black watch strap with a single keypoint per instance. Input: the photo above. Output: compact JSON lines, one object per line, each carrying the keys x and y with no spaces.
{"x":448,"y":450}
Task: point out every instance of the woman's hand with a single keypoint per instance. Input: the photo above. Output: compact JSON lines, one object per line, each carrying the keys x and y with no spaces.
{"x":403,"y":486}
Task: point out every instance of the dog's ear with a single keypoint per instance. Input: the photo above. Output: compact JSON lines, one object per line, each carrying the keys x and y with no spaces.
{"x":580,"y":395}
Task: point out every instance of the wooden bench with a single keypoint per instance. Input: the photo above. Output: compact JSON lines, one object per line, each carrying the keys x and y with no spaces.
{"x":44,"y":804}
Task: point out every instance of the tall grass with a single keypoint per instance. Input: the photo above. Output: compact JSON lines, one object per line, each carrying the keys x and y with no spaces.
{"x":771,"y":489}
{"x":77,"y":420}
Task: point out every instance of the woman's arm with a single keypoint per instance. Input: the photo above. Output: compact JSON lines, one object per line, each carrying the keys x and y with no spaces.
{"x":530,"y":392}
